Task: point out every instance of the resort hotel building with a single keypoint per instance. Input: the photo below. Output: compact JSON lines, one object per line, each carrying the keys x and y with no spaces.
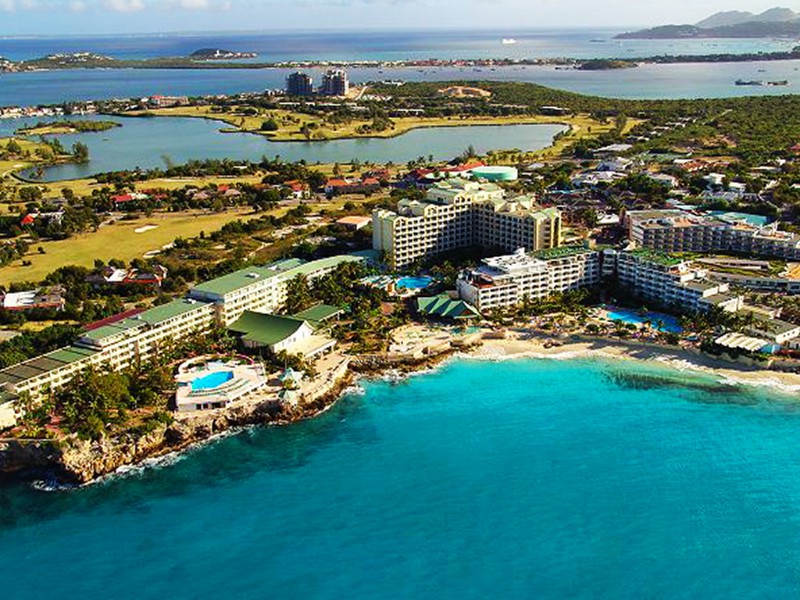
{"x":506,"y":281}
{"x":119,"y":343}
{"x":679,"y":231}
{"x":671,"y":282}
{"x":458,"y":214}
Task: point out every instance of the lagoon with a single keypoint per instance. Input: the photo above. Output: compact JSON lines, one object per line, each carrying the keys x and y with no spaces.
{"x":154,"y":142}
{"x":648,"y":81}
{"x":575,"y":478}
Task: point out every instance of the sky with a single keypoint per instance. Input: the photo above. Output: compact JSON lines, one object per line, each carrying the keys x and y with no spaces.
{"x":76,"y":17}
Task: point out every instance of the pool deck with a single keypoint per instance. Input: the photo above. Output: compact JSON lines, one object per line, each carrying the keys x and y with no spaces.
{"x":245,"y":379}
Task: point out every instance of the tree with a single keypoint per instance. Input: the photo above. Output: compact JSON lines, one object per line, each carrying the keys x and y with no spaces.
{"x":269,"y":125}
{"x":80,"y":152}
{"x":298,"y":295}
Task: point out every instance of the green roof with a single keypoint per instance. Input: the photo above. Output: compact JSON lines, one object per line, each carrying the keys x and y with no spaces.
{"x":6,"y":397}
{"x":560,"y":252}
{"x":42,"y":364}
{"x":319,"y":313}
{"x":263,"y":329}
{"x":107,"y":331}
{"x":661,"y":258}
{"x":247,"y":277}
{"x":165,"y":312}
{"x":324,"y":263}
{"x":444,"y":306}
{"x":152,"y":317}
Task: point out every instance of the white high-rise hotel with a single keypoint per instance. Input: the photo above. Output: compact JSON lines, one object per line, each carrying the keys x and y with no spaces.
{"x":457,"y":214}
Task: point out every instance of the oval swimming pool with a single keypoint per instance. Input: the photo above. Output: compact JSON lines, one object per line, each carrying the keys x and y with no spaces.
{"x":212,"y":380}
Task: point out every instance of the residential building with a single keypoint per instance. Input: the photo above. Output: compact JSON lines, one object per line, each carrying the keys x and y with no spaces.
{"x":122,"y":277}
{"x":50,"y":298}
{"x":458,"y":214}
{"x":299,"y":84}
{"x":506,"y":281}
{"x":335,"y":83}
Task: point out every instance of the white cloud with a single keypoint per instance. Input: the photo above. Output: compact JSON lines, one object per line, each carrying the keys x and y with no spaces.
{"x":77,"y":6}
{"x":7,"y":5}
{"x":194,"y":4}
{"x":125,"y":5}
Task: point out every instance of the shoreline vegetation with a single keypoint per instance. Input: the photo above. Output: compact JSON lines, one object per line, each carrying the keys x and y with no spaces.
{"x":78,"y":462}
{"x":291,"y":126}
{"x":61,"y":127}
{"x":59,"y":62}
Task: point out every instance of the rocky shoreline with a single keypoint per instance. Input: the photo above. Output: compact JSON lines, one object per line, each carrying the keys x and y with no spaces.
{"x":72,"y":461}
{"x":78,"y":462}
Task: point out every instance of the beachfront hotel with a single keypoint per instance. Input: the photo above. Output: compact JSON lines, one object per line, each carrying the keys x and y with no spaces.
{"x":260,"y":289}
{"x":458,"y":214}
{"x":119,"y":343}
{"x":671,"y":282}
{"x":679,"y":231}
{"x":506,"y":281}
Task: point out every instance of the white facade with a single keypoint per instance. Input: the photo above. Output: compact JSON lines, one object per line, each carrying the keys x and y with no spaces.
{"x":505,"y":281}
{"x":673,"y":283}
{"x":678,"y":231}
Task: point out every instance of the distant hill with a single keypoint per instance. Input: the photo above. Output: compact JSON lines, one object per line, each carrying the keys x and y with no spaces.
{"x":775,"y":22}
{"x":737,"y":17}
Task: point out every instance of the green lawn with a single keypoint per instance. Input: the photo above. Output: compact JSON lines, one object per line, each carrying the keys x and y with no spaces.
{"x":119,"y":240}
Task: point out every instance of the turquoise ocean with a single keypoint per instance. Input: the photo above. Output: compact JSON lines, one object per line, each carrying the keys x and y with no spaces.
{"x":521,"y":479}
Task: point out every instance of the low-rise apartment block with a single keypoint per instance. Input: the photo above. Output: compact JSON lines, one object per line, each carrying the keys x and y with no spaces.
{"x":458,"y":214}
{"x":119,"y":344}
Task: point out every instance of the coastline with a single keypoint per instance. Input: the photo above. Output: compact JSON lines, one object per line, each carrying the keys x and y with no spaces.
{"x":677,"y":358}
{"x":77,"y":463}
{"x":404,"y":128}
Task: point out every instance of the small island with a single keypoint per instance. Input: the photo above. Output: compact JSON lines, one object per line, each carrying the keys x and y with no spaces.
{"x":67,"y":127}
{"x":606,"y":65}
{"x":218,"y":54}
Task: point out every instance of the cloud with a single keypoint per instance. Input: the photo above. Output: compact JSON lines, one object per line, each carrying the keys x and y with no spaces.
{"x":7,"y":5}
{"x":78,"y":6}
{"x":125,"y":5}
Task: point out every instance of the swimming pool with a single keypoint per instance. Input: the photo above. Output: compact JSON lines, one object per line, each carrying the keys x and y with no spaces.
{"x":414,"y":283}
{"x":211,"y":381}
{"x":625,"y":315}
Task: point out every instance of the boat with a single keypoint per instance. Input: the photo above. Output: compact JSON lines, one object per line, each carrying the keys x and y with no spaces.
{"x":780,"y":82}
{"x":509,"y":41}
{"x":749,"y":82}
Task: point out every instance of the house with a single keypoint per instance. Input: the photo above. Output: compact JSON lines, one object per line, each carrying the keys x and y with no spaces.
{"x":354,"y":222}
{"x":115,"y":276}
{"x":297,"y":189}
{"x":125,"y":198}
{"x":43,"y":298}
{"x":617,"y":165}
{"x":664,"y":179}
{"x":338,"y":187}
